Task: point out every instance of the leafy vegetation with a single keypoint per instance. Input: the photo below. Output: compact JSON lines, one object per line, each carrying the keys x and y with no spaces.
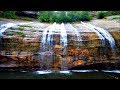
{"x":26,"y":18}
{"x":61,"y":16}
{"x":25,"y":26}
{"x":103,"y":14}
{"x":8,"y":14}
{"x":64,"y":16}
{"x":12,"y":15}
{"x":11,"y":33}
{"x":114,"y":17}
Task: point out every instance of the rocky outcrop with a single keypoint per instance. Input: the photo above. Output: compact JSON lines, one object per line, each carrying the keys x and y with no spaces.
{"x":31,"y":14}
{"x":84,"y":54}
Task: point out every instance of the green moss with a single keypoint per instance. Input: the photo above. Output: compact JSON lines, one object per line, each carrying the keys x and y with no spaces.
{"x":20,"y":28}
{"x":114,"y":17}
{"x":20,"y":33}
{"x":26,"y":18}
{"x":11,"y":33}
{"x":25,"y":26}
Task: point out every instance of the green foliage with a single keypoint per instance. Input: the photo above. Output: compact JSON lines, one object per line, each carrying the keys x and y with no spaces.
{"x":85,"y":16}
{"x":64,"y":16}
{"x":11,"y":33}
{"x":20,"y":33}
{"x":45,"y":16}
{"x":8,"y":14}
{"x":103,"y":14}
{"x":26,"y":18}
{"x":25,"y":26}
{"x":114,"y":17}
{"x":114,"y":13}
{"x":12,"y":15}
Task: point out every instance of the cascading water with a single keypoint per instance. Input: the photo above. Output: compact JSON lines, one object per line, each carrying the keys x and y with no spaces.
{"x":76,"y":38}
{"x":76,"y":33}
{"x":105,"y":35}
{"x":79,"y":38}
{"x":63,"y":42}
{"x":108,"y":36}
{"x":63,"y":36}
{"x":46,"y":49}
{"x":5,"y":27}
{"x":43,"y":47}
{"x":58,"y":35}
{"x":50,"y":37}
{"x":47,"y":45}
{"x":43,"y":41}
{"x":60,"y":47}
{"x":102,"y":39}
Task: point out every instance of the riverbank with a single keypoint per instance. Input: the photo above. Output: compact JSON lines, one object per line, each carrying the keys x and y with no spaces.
{"x":100,"y":65}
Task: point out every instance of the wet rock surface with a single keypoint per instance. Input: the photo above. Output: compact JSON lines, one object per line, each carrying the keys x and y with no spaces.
{"x":21,"y":42}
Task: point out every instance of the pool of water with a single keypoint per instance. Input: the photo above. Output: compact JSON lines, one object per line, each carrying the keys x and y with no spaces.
{"x":72,"y":74}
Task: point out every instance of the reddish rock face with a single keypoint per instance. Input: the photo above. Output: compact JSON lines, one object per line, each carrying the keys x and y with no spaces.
{"x":23,"y":50}
{"x":85,"y":52}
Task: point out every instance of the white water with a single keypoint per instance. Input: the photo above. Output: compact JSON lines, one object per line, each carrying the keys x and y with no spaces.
{"x":63,"y":36}
{"x":74,"y":31}
{"x":103,"y":34}
{"x":84,"y":70}
{"x":49,"y":55}
{"x":5,"y":27}
{"x":63,"y":42}
{"x":44,"y":72}
{"x":106,"y":34}
{"x":50,"y":37}
{"x":43,"y":40}
{"x":102,"y":39}
{"x":47,"y":46}
{"x":112,"y":71}
{"x":46,"y":53}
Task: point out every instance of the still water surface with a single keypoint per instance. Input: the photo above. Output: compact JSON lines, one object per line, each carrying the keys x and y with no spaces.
{"x":73,"y":74}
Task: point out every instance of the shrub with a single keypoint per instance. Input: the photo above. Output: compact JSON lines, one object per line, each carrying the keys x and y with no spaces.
{"x":101,"y":14}
{"x":7,"y":14}
{"x":45,"y":16}
{"x":26,"y":18}
{"x":114,"y":17}
{"x":114,"y":13}
{"x":64,"y":16}
{"x":85,"y":16}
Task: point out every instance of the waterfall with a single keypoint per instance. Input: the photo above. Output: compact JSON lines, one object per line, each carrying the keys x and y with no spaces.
{"x":76,"y":32}
{"x":106,"y":34}
{"x":43,"y":40}
{"x":47,"y":46}
{"x":63,"y":36}
{"x":50,"y":37}
{"x":102,"y":39}
{"x":5,"y":27}
{"x":63,"y":42}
